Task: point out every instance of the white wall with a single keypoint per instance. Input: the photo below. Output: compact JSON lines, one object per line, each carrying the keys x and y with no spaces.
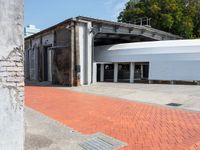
{"x":174,"y":70}
{"x":83,"y":54}
{"x":169,"y":60}
{"x":85,"y":47}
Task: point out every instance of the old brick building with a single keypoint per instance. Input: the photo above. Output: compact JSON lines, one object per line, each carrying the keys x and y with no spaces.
{"x":64,"y":54}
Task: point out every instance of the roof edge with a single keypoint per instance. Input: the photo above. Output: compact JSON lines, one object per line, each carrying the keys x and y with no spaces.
{"x":106,"y":22}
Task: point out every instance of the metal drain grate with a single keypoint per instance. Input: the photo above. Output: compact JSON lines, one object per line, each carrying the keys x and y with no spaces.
{"x":102,"y":142}
{"x":174,"y":104}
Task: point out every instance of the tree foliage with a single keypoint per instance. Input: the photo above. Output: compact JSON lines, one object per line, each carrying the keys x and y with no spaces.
{"x":181,"y":17}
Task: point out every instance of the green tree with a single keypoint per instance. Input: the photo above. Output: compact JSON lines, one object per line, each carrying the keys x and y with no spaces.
{"x":181,"y":17}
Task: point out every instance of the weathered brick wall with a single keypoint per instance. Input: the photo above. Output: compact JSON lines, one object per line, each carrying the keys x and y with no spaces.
{"x":11,"y":101}
{"x":11,"y":75}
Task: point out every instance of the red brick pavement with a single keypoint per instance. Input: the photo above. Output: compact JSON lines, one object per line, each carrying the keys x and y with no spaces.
{"x":142,"y":126}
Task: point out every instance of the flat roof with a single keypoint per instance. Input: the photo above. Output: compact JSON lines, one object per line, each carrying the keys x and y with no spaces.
{"x":154,"y":44}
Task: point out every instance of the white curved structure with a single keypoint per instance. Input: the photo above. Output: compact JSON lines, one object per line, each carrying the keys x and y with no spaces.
{"x":168,"y":60}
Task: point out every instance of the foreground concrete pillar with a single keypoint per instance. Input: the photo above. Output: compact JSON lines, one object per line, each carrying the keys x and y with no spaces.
{"x":102,"y":73}
{"x":116,"y":72}
{"x":11,"y":75}
{"x":132,"y":72}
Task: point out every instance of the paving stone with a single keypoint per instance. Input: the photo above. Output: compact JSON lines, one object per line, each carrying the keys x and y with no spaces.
{"x":140,"y":125}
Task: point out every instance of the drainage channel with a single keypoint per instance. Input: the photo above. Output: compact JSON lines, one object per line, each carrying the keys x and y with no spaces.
{"x":174,"y":104}
{"x":101,"y":141}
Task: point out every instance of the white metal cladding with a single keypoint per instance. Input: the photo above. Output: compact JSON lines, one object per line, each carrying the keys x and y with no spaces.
{"x":175,"y":70}
{"x":169,"y":60}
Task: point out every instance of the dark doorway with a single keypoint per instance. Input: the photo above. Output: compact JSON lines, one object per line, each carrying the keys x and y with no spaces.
{"x":146,"y":71}
{"x":124,"y":72}
{"x":141,"y":71}
{"x":98,"y":72}
{"x":108,"y":72}
{"x":45,"y":63}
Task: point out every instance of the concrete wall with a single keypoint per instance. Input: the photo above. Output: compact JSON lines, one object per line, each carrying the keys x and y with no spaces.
{"x":55,"y":46}
{"x":169,"y":60}
{"x":62,"y":58}
{"x":83,"y":54}
{"x":85,"y":47}
{"x":11,"y":75}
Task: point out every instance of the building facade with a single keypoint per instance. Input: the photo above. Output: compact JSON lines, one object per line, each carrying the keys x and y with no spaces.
{"x":65,"y":54}
{"x":167,"y":61}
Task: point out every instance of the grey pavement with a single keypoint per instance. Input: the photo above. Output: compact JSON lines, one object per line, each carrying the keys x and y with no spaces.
{"x":43,"y":133}
{"x":161,"y":94}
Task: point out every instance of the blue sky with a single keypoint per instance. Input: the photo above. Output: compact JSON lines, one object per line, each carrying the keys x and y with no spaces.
{"x":45,"y":13}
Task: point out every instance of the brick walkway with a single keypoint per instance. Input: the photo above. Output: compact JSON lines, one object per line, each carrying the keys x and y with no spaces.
{"x":143,"y":127}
